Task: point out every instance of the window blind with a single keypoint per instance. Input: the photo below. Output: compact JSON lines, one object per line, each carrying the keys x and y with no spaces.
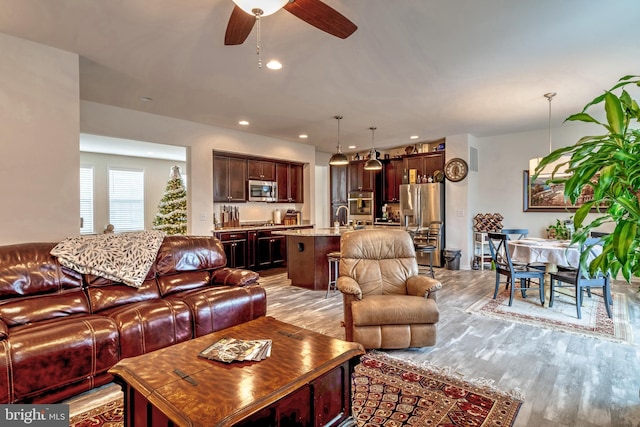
{"x":126,"y":199}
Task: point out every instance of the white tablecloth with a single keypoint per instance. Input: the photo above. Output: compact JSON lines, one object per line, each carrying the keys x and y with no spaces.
{"x":554,"y":252}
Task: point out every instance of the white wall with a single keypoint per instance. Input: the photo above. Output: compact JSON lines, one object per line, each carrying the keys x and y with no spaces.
{"x":156,"y":176}
{"x":39,"y":118}
{"x":201,"y":140}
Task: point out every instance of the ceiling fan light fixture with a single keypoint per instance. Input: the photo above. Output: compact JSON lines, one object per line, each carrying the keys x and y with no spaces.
{"x":339,"y":158}
{"x":373,"y":164}
{"x":261,"y":7}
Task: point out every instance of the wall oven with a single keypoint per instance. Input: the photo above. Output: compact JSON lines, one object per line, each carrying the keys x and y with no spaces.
{"x":262,"y":191}
{"x":361,"y":208}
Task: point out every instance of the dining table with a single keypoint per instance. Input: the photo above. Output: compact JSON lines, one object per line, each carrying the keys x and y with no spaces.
{"x":550,"y":252}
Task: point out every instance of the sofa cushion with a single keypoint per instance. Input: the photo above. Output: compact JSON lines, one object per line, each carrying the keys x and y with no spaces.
{"x":220,"y":307}
{"x":104,"y":293}
{"x":394,"y":310}
{"x":172,"y":283}
{"x":20,"y":311}
{"x":150,"y":325}
{"x":35,"y":287}
{"x":189,"y":253}
{"x":54,"y":353}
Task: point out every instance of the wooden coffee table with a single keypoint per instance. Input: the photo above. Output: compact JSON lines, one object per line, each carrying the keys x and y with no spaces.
{"x":305,"y":381}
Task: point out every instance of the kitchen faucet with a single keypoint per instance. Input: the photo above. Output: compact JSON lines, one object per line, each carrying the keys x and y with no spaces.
{"x":348,"y":213}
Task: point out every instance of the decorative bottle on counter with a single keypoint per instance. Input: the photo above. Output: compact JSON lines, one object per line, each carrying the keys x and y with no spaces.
{"x":405,"y":177}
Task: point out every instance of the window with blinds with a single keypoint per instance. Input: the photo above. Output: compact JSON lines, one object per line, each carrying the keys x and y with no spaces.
{"x":126,"y":199}
{"x":86,"y":199}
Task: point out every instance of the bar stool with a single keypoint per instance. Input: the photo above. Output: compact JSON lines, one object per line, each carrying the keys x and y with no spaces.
{"x":427,"y":249}
{"x":334,"y":264}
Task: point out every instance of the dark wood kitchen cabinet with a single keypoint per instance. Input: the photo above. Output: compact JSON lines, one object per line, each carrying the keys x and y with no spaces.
{"x":235,"y":247}
{"x":426,"y":163}
{"x":289,"y":177}
{"x":392,"y":171}
{"x":271,"y":249}
{"x":252,"y":249}
{"x":359,"y":178}
{"x":229,"y":179}
{"x":262,"y":170}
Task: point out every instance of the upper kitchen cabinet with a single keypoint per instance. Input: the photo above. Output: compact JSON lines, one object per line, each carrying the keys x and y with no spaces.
{"x":262,"y":170}
{"x":426,"y":163}
{"x":229,"y":178}
{"x":289,"y":177}
{"x":359,"y":178}
{"x":392,"y":179}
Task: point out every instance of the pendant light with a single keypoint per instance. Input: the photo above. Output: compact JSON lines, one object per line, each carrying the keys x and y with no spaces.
{"x":548,"y":169}
{"x":373,"y":164}
{"x":339,"y":158}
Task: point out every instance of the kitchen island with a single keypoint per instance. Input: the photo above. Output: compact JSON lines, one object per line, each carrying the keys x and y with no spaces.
{"x":307,"y":250}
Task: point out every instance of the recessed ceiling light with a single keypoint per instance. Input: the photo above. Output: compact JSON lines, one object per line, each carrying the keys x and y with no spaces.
{"x":243,"y":123}
{"x":146,"y":98}
{"x":414,"y":137}
{"x":274,"y":65}
{"x":303,"y":136}
{"x":351,"y":147}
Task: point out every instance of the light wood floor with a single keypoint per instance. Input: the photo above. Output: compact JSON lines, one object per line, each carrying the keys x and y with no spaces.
{"x":567,"y":379}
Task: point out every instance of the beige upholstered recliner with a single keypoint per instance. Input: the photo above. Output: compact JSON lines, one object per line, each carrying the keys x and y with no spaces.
{"x":386,"y":303}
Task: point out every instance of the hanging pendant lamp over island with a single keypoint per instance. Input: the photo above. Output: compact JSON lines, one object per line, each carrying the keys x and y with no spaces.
{"x":373,"y":164}
{"x":339,"y":158}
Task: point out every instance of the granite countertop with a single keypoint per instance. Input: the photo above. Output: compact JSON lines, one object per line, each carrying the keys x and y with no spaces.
{"x":328,"y":232}
{"x":264,"y":226}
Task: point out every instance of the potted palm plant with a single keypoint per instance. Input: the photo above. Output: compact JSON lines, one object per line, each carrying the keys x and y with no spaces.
{"x":610,"y":164}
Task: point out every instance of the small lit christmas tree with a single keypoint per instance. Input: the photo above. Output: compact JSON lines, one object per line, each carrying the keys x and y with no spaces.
{"x":172,"y":209}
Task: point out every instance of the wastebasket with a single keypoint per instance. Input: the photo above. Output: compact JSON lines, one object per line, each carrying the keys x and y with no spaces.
{"x":452,"y":259}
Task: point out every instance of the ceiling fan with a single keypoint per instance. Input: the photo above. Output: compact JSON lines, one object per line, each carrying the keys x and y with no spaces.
{"x":313,"y":12}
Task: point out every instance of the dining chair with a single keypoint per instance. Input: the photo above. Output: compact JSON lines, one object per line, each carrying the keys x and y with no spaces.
{"x":521,"y":233}
{"x":580,"y":280}
{"x":514,"y":273}
{"x":517,"y":234}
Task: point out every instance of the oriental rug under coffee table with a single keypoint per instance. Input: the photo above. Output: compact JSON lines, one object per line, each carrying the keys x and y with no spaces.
{"x":305,"y":381}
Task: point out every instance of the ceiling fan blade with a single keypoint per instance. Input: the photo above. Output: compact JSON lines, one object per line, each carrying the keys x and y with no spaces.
{"x":239,"y":26}
{"x":321,"y":16}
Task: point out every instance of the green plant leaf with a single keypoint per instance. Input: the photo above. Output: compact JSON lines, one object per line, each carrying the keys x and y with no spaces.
{"x":581,"y":214}
{"x":615,"y":116}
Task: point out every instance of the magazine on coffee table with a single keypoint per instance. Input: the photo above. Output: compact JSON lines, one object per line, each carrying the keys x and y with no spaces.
{"x":229,"y":349}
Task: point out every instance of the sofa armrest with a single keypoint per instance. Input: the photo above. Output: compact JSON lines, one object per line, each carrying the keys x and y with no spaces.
{"x":347,"y":285}
{"x":423,"y":286}
{"x":233,"y":277}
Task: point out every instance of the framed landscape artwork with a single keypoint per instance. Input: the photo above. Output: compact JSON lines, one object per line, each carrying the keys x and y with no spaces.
{"x":542,"y":197}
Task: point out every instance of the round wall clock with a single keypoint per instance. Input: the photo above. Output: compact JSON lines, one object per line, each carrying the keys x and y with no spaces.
{"x":456,"y":169}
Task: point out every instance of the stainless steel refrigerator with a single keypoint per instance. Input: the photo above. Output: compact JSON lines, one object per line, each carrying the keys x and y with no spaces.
{"x":419,"y":205}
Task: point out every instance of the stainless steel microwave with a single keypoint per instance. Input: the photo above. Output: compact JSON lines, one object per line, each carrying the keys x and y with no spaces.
{"x":262,"y":191}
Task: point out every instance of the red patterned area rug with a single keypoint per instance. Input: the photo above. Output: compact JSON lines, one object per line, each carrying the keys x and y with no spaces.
{"x":390,"y":392}
{"x":562,"y":316}
{"x":108,"y":414}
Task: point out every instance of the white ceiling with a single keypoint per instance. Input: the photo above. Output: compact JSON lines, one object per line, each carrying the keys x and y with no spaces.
{"x":414,"y":67}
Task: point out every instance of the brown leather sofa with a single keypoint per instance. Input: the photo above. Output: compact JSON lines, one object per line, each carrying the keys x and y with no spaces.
{"x":60,"y":331}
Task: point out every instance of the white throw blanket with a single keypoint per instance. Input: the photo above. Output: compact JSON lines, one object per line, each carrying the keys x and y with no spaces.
{"x":125,"y":257}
